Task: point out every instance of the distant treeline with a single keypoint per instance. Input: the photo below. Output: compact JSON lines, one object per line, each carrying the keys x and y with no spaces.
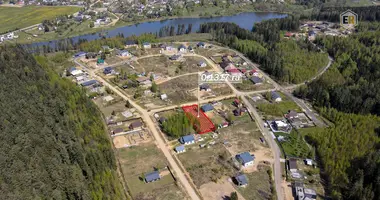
{"x":367,"y":13}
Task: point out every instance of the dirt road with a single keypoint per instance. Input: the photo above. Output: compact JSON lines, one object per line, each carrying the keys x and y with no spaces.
{"x":160,"y":142}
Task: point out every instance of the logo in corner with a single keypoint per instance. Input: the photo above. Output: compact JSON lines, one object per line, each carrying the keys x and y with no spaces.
{"x":348,"y":18}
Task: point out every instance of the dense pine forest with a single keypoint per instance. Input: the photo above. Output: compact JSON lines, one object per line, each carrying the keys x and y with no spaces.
{"x":52,"y":139}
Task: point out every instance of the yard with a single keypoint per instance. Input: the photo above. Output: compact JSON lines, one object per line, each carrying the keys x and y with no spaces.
{"x":139,"y":160}
{"x":294,"y":145}
{"x":207,"y":164}
{"x":247,"y":85}
{"x":12,"y":18}
{"x":259,"y":185}
{"x":277,"y":109}
{"x":179,"y":89}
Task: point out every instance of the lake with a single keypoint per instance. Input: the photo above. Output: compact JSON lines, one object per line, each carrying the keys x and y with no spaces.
{"x":244,"y":20}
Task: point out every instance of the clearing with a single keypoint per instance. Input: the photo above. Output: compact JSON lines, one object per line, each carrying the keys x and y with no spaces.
{"x":17,"y":18}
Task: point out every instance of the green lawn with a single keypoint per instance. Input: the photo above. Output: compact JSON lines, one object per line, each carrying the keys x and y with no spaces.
{"x":258,"y":186}
{"x":12,"y":18}
{"x":294,"y":146}
{"x":278,"y":109}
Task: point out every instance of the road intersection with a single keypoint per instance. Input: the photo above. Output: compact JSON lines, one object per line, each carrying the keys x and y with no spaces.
{"x":181,"y":175}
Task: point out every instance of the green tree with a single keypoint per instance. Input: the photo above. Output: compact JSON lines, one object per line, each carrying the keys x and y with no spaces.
{"x":154,"y":87}
{"x":234,"y":196}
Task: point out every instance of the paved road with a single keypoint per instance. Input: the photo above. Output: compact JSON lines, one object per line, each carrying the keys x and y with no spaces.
{"x":160,"y":142}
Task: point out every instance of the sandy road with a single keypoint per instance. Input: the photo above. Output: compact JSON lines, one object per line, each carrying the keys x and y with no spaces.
{"x":160,"y":142}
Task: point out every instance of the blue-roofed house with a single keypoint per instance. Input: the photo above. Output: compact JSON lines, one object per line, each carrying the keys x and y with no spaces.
{"x":187,"y":139}
{"x":311,"y":33}
{"x":202,"y":64}
{"x":201,"y":44}
{"x":89,"y":83}
{"x":246,"y":159}
{"x":130,"y":43}
{"x":72,"y":69}
{"x":107,"y":70}
{"x":256,"y":80}
{"x":207,"y":107}
{"x":147,"y":45}
{"x":241,"y":180}
{"x":275,"y":96}
{"x":152,"y":176}
{"x":79,"y":54}
{"x":180,"y":149}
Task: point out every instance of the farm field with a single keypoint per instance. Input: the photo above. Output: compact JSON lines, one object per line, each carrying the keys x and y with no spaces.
{"x":16,"y":18}
{"x":139,"y":160}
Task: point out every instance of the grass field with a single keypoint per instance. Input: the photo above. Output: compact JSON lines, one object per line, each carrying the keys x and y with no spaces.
{"x":16,"y":18}
{"x":278,"y":109}
{"x":294,"y":146}
{"x":258,"y":185}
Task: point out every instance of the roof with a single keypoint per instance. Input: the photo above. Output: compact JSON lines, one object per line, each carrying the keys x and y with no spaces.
{"x":88,"y":83}
{"x":201,"y":44}
{"x":152,"y":176}
{"x":292,"y":113}
{"x":136,"y":124}
{"x":186,"y":138}
{"x":204,"y":86}
{"x":76,"y":72}
{"x":207,"y":107}
{"x":256,"y":79}
{"x":180,"y":148}
{"x":292,"y":163}
{"x":275,"y":95}
{"x":142,"y":79}
{"x":242,"y":179}
{"x":182,"y":47}
{"x":201,"y":63}
{"x":100,"y":60}
{"x":245,"y":157}
{"x":146,"y":43}
{"x":162,"y":120}
{"x":118,"y":130}
{"x":174,"y":57}
{"x":80,"y":53}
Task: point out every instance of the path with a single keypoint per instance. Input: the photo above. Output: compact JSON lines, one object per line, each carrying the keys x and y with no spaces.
{"x":160,"y":142}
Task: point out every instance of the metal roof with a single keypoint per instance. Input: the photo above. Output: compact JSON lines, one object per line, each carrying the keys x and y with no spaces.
{"x":275,"y":95}
{"x":207,"y":107}
{"x":152,"y":176}
{"x":180,"y":148}
{"x":245,"y":157}
{"x":242,"y":179}
{"x":186,"y":138}
{"x":256,"y":79}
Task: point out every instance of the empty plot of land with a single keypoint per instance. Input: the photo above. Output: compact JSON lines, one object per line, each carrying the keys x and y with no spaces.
{"x":207,"y":164}
{"x":17,"y":18}
{"x":178,"y":89}
{"x":218,"y":191}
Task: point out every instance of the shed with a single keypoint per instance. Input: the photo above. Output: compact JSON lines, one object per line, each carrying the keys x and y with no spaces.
{"x":147,"y":45}
{"x":100,"y":61}
{"x":207,"y":107}
{"x":182,"y":48}
{"x":180,"y":149}
{"x":292,"y":114}
{"x":118,"y":130}
{"x":205,"y":87}
{"x":135,"y":124}
{"x":164,"y":96}
{"x":175,"y":57}
{"x":202,"y":64}
{"x":241,"y":180}
{"x":245,"y":158}
{"x":201,"y":44}
{"x":308,"y":162}
{"x":153,"y":176}
{"x":187,"y":139}
{"x":107,"y":70}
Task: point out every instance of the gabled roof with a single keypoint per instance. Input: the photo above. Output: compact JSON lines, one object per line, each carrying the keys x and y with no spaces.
{"x":256,"y":79}
{"x":186,"y":138}
{"x":136,"y":124}
{"x":292,"y":163}
{"x":118,"y":130}
{"x":88,"y":83}
{"x":182,"y":47}
{"x":242,"y":179}
{"x":130,"y":42}
{"x":180,"y":148}
{"x":200,"y":44}
{"x":152,"y":176}
{"x":142,"y":79}
{"x":245,"y":157}
{"x":275,"y":95}
{"x":146,"y":43}
{"x":207,"y":107}
{"x":204,"y":86}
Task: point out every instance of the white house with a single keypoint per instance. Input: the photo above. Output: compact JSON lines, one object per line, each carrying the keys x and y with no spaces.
{"x":275,"y":97}
{"x":246,"y":159}
{"x":124,"y":53}
{"x":202,"y":64}
{"x":164,"y":96}
{"x":147,"y":45}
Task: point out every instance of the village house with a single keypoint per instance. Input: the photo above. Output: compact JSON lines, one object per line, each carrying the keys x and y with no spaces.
{"x":201,"y":45}
{"x":118,"y":130}
{"x":180,"y":149}
{"x":256,"y":80}
{"x":202,"y":64}
{"x":143,"y":80}
{"x":275,"y":97}
{"x":291,"y":114}
{"x":205,"y":87}
{"x":241,"y":180}
{"x":182,"y":48}
{"x":147,"y":45}
{"x":135,"y":124}
{"x":153,"y":176}
{"x":308,"y":162}
{"x":89,"y":83}
{"x":302,"y":193}
{"x":123,"y":53}
{"x":164,"y":97}
{"x":207,"y":108}
{"x":246,"y":159}
{"x":187,"y":139}
{"x":292,"y":165}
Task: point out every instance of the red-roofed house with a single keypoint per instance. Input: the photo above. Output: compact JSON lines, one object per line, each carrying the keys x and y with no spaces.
{"x":288,"y":34}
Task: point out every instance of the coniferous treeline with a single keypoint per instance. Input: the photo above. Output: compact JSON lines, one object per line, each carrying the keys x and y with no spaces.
{"x":171,"y":31}
{"x":367,"y":13}
{"x":53,"y":143}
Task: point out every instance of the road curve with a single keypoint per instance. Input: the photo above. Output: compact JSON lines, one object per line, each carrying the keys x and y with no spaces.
{"x":160,"y":142}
